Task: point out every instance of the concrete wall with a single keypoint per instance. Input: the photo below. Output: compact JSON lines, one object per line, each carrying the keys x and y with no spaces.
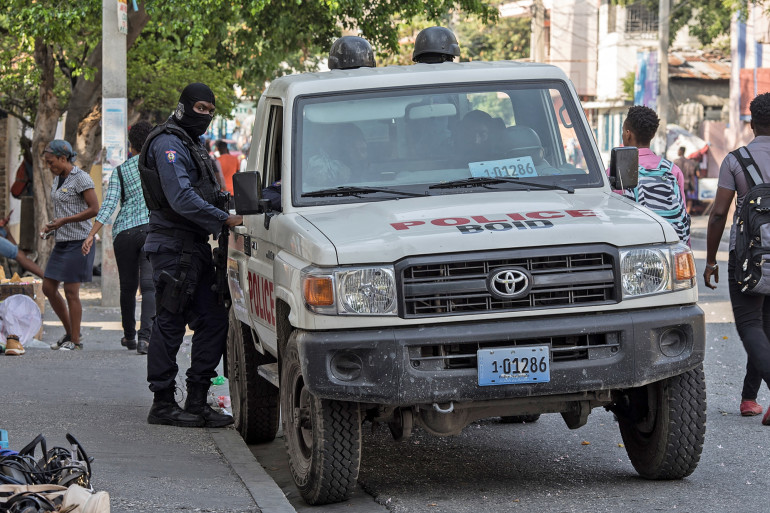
{"x":574,"y":29}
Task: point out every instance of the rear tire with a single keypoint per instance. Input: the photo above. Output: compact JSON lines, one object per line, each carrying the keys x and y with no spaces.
{"x":254,"y":399}
{"x":519,"y":419}
{"x":664,"y":425}
{"x":323,"y":437}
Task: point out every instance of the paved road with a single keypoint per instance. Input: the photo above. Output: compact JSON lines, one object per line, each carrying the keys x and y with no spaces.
{"x":545,"y":467}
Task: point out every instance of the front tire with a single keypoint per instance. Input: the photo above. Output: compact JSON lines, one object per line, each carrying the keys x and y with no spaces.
{"x":254,"y":399}
{"x":663,"y":425}
{"x":323,"y":437}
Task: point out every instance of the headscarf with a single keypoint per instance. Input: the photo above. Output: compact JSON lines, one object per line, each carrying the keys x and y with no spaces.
{"x":192,"y":122}
{"x":61,"y":148}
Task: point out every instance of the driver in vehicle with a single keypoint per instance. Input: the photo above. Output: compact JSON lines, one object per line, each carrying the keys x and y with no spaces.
{"x":344,"y":155}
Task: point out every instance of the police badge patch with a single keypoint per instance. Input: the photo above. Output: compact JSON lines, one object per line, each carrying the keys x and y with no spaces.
{"x":179,"y":110}
{"x":171,"y":156}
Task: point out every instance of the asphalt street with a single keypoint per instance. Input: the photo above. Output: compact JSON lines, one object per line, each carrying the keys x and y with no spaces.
{"x":100,"y":396}
{"x":545,"y":467}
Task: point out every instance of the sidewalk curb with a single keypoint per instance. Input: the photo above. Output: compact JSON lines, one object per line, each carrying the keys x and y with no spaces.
{"x":266,"y":493}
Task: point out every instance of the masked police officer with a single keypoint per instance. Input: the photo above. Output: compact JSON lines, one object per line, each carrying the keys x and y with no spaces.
{"x":182,"y":193}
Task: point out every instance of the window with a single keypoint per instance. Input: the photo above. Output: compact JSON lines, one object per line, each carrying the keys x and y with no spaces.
{"x":409,"y":140}
{"x":272,"y":169}
{"x":641,"y":20}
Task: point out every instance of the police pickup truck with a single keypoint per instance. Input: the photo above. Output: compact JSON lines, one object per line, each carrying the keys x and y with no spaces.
{"x":440,"y":253}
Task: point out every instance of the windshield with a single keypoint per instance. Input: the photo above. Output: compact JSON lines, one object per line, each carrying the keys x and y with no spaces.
{"x":411,"y":140}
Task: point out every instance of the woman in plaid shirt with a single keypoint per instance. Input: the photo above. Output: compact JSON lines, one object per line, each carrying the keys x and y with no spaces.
{"x":128,"y":234}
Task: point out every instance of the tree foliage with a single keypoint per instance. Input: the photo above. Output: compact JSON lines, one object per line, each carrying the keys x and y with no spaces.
{"x":51,"y":56}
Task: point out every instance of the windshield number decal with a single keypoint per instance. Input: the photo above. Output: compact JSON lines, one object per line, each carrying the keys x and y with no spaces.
{"x":507,"y":168}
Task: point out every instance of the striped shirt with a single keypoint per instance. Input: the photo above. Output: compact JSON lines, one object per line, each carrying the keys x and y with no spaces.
{"x":134,"y":211}
{"x":68,"y":201}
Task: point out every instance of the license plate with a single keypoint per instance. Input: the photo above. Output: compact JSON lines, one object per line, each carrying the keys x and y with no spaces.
{"x":511,"y":365}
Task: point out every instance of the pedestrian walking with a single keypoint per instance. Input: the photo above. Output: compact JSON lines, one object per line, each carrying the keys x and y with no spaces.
{"x":690,"y":170}
{"x":751,"y":312}
{"x":74,"y":204}
{"x":182,"y":193}
{"x":128,"y":234}
{"x":661,"y":182}
{"x":228,"y":163}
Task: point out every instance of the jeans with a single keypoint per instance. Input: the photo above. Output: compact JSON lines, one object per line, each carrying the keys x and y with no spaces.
{"x":752,"y":318}
{"x":134,"y":270}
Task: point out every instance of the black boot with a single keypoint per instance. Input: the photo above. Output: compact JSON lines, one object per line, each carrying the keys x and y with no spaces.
{"x":165,"y":411}
{"x":196,"y":404}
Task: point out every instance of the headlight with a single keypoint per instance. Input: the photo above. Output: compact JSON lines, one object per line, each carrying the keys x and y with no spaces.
{"x":656,"y":269}
{"x":357,"y":291}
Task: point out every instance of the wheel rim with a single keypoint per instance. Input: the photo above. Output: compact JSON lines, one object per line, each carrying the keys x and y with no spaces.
{"x":301,"y":430}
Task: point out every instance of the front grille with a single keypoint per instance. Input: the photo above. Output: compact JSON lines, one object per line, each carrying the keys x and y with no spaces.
{"x":459,"y":285}
{"x":563,"y":349}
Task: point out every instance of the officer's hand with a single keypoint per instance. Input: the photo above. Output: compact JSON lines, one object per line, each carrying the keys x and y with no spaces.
{"x":234,"y":220}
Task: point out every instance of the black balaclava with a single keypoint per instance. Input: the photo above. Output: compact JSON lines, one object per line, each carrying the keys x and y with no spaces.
{"x":192,"y":122}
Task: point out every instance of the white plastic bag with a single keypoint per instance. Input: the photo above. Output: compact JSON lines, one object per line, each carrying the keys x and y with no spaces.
{"x":20,"y":315}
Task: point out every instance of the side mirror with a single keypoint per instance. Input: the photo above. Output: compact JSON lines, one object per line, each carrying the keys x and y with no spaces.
{"x":624,"y":167}
{"x":247,"y":189}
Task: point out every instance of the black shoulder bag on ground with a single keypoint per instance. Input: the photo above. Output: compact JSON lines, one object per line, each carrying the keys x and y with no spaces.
{"x":752,"y":239}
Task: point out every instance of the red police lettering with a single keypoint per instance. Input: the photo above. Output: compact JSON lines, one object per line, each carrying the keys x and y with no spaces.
{"x":517,"y":217}
{"x":483,"y":219}
{"x":545,"y":214}
{"x":406,"y":224}
{"x":261,"y":299}
{"x":581,"y":213}
{"x":450,"y":221}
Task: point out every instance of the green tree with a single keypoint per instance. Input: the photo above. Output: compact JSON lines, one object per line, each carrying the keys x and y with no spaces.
{"x":51,"y":56}
{"x":508,"y":39}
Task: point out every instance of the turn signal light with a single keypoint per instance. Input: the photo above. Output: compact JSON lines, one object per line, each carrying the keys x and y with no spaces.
{"x":319,"y":291}
{"x":685,"y":266}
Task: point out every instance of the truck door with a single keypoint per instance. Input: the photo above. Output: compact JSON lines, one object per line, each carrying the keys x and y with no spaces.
{"x":263,"y":249}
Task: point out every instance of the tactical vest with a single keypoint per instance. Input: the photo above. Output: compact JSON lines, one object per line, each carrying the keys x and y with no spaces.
{"x":206,"y":186}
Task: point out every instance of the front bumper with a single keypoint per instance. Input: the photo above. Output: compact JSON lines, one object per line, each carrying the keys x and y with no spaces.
{"x":389,"y":366}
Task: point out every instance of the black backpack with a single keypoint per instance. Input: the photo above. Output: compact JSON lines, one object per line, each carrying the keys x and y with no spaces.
{"x":752,"y":240}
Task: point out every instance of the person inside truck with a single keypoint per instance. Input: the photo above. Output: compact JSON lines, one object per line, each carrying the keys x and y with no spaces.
{"x":478,"y":136}
{"x":342,"y":157}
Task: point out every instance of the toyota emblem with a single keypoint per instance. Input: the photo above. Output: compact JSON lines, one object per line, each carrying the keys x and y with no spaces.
{"x":509,"y":283}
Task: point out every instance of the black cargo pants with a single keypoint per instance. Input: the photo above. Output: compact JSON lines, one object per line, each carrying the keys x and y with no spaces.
{"x":203,"y":314}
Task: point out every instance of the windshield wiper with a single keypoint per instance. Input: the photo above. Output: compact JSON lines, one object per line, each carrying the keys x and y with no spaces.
{"x":355,"y":191}
{"x":483,"y":181}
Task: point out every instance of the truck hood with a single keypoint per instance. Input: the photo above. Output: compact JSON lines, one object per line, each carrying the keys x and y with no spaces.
{"x":380,"y":232}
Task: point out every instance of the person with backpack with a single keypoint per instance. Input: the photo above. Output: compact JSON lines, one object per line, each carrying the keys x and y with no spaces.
{"x":661,"y":183}
{"x":742,"y":172}
{"x":129,"y":232}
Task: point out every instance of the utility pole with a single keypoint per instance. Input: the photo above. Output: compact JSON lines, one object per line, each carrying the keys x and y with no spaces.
{"x":537,"y":39}
{"x":114,"y":116}
{"x":663,"y":36}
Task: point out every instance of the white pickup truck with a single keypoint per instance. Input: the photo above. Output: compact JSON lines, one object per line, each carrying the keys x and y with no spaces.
{"x":442,"y":253}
